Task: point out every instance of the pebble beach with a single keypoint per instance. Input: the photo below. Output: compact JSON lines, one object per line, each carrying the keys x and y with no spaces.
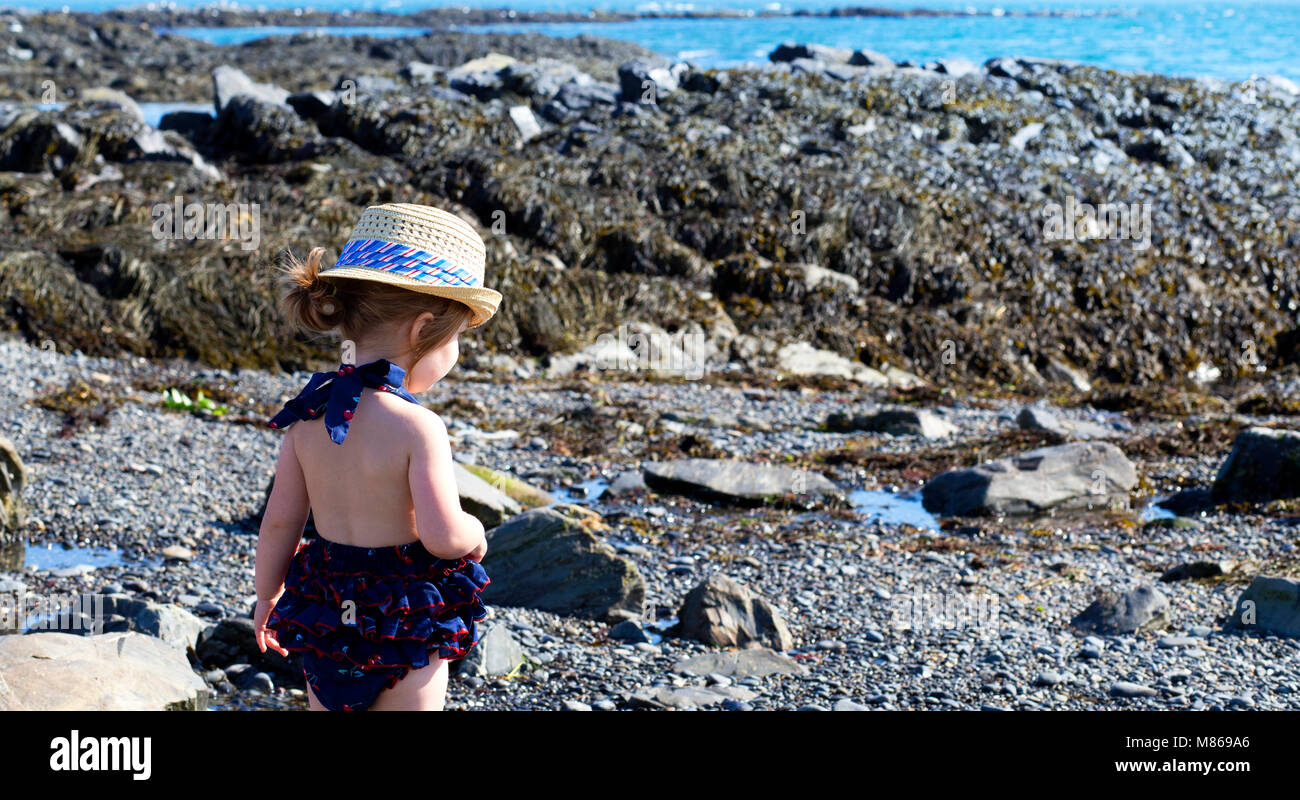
{"x":106,"y":502}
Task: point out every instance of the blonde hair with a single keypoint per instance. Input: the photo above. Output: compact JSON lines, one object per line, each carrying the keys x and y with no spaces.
{"x":355,"y":306}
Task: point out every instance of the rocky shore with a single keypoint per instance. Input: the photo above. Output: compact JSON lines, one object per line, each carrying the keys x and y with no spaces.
{"x":935,"y":453}
{"x":898,"y":215}
{"x":839,"y":589}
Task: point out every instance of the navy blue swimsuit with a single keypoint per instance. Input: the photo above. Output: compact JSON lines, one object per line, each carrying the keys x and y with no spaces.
{"x":362,"y":617}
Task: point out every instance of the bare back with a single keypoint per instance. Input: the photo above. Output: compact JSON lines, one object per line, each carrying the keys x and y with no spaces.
{"x":359,"y":490}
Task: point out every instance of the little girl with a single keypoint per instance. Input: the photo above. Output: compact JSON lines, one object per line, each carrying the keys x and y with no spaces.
{"x":389,"y":592}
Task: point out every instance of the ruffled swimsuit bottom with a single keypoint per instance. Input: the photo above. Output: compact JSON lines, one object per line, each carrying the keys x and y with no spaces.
{"x":362,"y":617}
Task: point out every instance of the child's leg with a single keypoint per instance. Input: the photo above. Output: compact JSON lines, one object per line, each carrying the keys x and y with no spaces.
{"x":315,"y":704}
{"x":423,"y":689}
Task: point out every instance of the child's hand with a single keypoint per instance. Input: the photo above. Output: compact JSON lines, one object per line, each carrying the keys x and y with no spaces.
{"x":265,"y":638}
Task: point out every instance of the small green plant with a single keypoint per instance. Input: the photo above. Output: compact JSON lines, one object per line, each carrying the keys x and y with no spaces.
{"x":201,"y":404}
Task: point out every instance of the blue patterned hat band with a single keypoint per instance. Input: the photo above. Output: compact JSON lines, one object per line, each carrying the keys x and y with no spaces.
{"x":421,"y":248}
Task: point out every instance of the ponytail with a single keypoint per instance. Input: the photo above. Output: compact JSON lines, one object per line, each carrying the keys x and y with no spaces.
{"x":311,"y":301}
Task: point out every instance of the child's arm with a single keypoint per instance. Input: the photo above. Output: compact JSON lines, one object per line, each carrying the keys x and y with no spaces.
{"x":286,"y":514}
{"x":445,"y":529}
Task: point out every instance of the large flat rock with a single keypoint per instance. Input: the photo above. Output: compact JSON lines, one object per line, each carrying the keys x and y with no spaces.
{"x":735,"y":481}
{"x":1071,"y":476}
{"x":108,"y":672}
{"x":480,"y":498}
{"x":757,"y":663}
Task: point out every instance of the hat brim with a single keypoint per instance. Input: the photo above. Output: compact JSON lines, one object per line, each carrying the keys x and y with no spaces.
{"x":482,"y":301}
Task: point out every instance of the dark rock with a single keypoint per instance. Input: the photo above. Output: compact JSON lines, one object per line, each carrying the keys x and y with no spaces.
{"x":193,"y":125}
{"x":644,"y":80}
{"x":1114,"y":614}
{"x":231,"y":642}
{"x":551,"y":559}
{"x":262,"y":132}
{"x":1269,"y":605}
{"x":311,"y":105}
{"x":895,"y":421}
{"x":581,"y":96}
{"x":1264,"y":464}
{"x":628,"y":631}
{"x":1197,"y":569}
{"x":722,"y":612}
{"x":793,"y":52}
{"x":870,"y":58}
{"x":1067,"y":477}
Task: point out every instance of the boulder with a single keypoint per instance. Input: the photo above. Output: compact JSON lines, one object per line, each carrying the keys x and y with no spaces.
{"x":36,"y":142}
{"x":787,"y":52}
{"x":1073,"y":476}
{"x":735,"y":482}
{"x":1114,"y":614}
{"x":580,"y":96}
{"x":481,"y":77}
{"x":1270,"y":605}
{"x":1045,"y":420}
{"x":172,"y":624}
{"x":518,"y":490}
{"x":801,"y":358}
{"x":480,"y":498}
{"x":894,"y":421}
{"x":107,"y":672}
{"x":112,"y":98}
{"x":870,"y":58}
{"x":230,"y":82}
{"x":552,"y":559}
{"x":231,"y":641}
{"x":497,"y":653}
{"x":1264,"y":464}
{"x":644,"y":81}
{"x":722,"y":612}
{"x":541,"y":78}
{"x":263,"y":132}
{"x":12,"y":478}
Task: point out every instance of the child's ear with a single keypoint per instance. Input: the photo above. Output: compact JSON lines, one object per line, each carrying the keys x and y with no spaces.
{"x":416,"y":327}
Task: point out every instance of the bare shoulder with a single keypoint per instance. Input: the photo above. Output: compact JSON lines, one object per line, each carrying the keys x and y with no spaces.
{"x":412,"y":419}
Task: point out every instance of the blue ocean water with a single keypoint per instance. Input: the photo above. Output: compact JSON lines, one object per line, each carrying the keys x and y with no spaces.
{"x":241,"y":35}
{"x":1232,"y":41}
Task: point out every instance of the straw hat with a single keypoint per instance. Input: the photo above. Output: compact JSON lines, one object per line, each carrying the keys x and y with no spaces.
{"x":421,"y":248}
